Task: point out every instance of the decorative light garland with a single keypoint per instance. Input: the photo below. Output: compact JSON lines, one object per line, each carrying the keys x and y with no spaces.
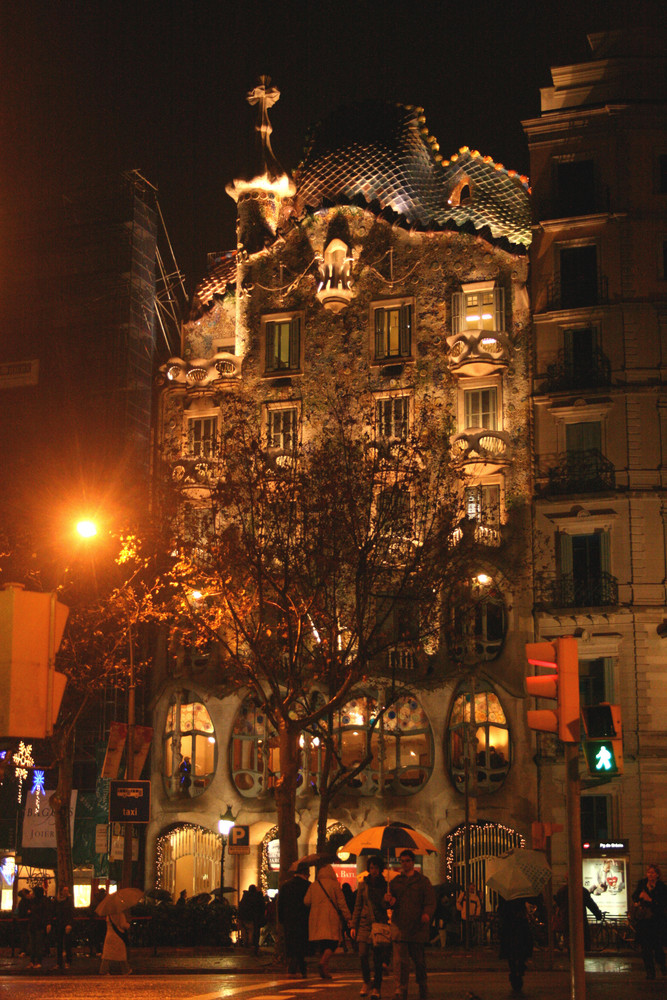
{"x":37,"y":786}
{"x":23,"y":760}
{"x":460,"y":833}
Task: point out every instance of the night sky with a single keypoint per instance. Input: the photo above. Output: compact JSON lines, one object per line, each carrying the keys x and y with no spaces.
{"x":94,"y":88}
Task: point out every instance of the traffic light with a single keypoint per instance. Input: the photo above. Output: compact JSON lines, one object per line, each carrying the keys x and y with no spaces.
{"x":603,"y":742}
{"x":561,"y":684}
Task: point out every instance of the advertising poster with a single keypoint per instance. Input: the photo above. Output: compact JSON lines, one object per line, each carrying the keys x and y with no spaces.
{"x":605,"y":879}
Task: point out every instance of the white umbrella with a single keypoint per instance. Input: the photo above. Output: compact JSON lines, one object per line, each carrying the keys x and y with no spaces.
{"x":519,"y":873}
{"x":116,"y":902}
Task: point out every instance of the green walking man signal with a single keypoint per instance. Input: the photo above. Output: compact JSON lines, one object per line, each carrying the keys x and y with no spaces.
{"x":603,"y":738}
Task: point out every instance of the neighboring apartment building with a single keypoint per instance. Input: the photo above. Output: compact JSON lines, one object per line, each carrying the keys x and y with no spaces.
{"x":599,"y":299}
{"x":394,"y":268}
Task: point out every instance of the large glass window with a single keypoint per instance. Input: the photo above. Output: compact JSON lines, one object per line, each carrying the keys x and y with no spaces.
{"x":189,"y":747}
{"x":479,"y":740}
{"x":480,"y":621}
{"x":480,"y":408}
{"x":393,"y":331}
{"x":283,"y":344}
{"x":203,"y":436}
{"x":400,"y":744}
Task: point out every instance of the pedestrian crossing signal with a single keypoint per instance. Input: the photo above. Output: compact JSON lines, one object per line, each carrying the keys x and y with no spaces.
{"x":603,"y":743}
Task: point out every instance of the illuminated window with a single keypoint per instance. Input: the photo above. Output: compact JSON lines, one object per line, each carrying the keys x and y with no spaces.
{"x":190,"y":747}
{"x":482,"y":504}
{"x":399,"y":745}
{"x":479,"y":306}
{"x":480,"y":408}
{"x":282,"y":427}
{"x":282,"y":343}
{"x":392,"y":415}
{"x":203,"y":436}
{"x":478,"y":737}
{"x":392,"y":328}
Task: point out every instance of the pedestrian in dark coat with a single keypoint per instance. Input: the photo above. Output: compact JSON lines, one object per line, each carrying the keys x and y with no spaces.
{"x":563,"y":913}
{"x":293,"y":915}
{"x":251,"y":913}
{"x":516,"y":939}
{"x":650,"y":917}
{"x":63,"y":925}
{"x":412,"y":900}
{"x":370,"y":908}
{"x":22,"y":911}
{"x":40,"y":926}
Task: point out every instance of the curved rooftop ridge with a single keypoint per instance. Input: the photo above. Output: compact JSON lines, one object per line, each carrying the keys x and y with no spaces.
{"x":383,"y":153}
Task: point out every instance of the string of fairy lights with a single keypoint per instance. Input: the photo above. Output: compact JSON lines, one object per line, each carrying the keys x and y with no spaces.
{"x":24,"y":763}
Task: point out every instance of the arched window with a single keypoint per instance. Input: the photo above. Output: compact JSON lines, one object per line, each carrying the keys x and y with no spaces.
{"x":480,"y":621}
{"x":478,"y":733}
{"x":190,"y":747}
{"x":399,"y":742}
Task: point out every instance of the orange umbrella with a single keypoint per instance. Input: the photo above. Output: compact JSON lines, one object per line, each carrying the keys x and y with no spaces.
{"x":383,"y":839}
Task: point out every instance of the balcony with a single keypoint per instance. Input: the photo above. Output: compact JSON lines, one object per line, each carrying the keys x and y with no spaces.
{"x":481,"y":450}
{"x":577,"y":293}
{"x":478,"y":352}
{"x":587,"y":372}
{"x":581,"y":592}
{"x":582,"y":472}
{"x":194,"y":472}
{"x":471,"y":530}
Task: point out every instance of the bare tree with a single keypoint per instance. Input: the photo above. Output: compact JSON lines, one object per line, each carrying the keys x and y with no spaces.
{"x":303,"y":556}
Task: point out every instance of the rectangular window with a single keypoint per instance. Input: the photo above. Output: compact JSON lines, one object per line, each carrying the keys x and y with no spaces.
{"x":203,"y":436}
{"x":586,"y":436}
{"x":579,"y":282}
{"x":281,"y":430}
{"x":394,"y":511}
{"x":478,"y":309}
{"x":480,"y":408}
{"x":579,"y":348}
{"x":595,"y":824}
{"x":393,"y":418}
{"x":483,"y":505}
{"x":585,"y":570}
{"x":283,"y":344}
{"x":575,"y":182}
{"x":393,"y":331}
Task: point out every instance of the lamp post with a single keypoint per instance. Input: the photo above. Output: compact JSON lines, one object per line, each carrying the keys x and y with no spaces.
{"x":225,"y":823}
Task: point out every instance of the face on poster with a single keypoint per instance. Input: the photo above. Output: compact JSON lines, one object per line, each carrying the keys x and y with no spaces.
{"x":605,"y":879}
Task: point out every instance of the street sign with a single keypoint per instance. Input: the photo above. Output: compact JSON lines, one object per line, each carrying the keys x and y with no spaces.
{"x":129,"y":801}
{"x":238,"y":841}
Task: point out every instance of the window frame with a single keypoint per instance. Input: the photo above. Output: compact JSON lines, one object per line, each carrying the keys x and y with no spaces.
{"x":268,"y":413}
{"x":196,"y":416}
{"x":581,"y":244}
{"x":201,"y":781}
{"x":459,"y":308}
{"x":296,"y":354}
{"x":381,"y":398}
{"x":389,"y":305}
{"x":479,"y":387}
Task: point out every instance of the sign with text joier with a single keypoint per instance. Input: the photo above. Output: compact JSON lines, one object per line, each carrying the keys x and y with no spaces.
{"x":129,"y":801}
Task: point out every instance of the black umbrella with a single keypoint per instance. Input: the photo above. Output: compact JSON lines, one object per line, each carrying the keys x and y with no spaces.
{"x":201,"y":898}
{"x":161,"y":895}
{"x":223,"y":889}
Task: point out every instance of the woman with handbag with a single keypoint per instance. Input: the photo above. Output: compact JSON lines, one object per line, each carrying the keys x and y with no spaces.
{"x":649,"y":916}
{"x":329,"y":916}
{"x":370,"y":927}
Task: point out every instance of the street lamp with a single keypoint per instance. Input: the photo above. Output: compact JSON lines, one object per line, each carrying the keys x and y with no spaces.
{"x":225,"y":823}
{"x":86,"y":528}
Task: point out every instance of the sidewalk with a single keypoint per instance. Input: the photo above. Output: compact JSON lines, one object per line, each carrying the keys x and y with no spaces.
{"x":241,"y":961}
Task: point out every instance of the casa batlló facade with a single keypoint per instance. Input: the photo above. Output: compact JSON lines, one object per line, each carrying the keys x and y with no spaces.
{"x":385,"y":264}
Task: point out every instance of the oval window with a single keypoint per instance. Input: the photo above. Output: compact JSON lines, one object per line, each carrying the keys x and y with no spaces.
{"x":479,"y":740}
{"x":190,"y":747}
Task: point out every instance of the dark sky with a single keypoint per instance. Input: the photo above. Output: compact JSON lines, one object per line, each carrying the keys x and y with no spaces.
{"x":101,"y":86}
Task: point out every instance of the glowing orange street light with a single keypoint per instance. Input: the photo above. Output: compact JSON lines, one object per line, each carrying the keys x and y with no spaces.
{"x":87,"y":529}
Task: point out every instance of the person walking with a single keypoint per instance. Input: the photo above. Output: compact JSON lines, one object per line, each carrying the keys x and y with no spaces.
{"x":562,"y":915}
{"x":329,"y":916}
{"x":115,"y":944}
{"x":370,"y":908}
{"x":650,"y":914}
{"x":516,"y":939}
{"x":63,"y":924}
{"x":412,"y":901}
{"x":251,"y":914}
{"x":293,"y":915}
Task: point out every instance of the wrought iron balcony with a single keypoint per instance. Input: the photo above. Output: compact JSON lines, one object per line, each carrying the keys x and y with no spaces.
{"x":570,"y":591}
{"x":584,"y":373}
{"x":582,"y":472}
{"x":578,"y":293}
{"x":478,"y":352}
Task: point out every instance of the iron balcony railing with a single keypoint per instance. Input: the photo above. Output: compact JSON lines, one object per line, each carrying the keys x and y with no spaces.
{"x":585,"y":471}
{"x":584,"y":373}
{"x":577,"y":293}
{"x":570,"y":591}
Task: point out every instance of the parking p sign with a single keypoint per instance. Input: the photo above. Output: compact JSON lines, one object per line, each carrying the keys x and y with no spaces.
{"x":239,"y":840}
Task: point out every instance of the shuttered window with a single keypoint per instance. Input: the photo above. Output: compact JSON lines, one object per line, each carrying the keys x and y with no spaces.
{"x":393,"y":331}
{"x":283,"y":344}
{"x":479,"y":310}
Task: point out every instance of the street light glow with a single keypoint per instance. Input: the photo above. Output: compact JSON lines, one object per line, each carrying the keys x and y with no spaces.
{"x":87,"y":529}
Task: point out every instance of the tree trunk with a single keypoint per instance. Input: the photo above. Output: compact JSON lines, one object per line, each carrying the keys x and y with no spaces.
{"x":285,"y":795}
{"x":60,"y":803}
{"x":325,"y":788}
